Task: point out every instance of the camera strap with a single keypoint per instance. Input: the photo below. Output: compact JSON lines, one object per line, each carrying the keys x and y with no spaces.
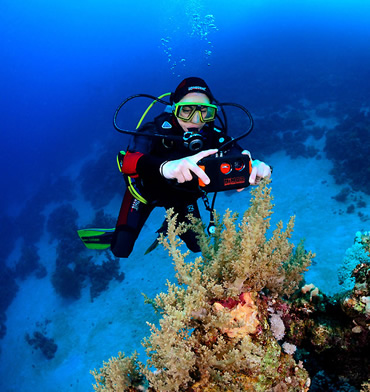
{"x":208,"y":207}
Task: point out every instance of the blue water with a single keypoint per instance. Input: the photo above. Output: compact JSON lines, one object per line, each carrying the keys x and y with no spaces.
{"x":66,"y":65}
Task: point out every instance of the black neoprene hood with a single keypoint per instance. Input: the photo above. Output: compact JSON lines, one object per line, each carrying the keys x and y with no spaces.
{"x":191,"y":85}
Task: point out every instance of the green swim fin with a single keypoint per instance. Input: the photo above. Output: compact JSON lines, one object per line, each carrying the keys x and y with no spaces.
{"x":152,"y":246}
{"x":96,"y":238}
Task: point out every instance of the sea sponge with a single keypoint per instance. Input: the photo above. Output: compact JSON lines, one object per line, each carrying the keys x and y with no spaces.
{"x":243,"y":314}
{"x":277,"y":326}
{"x":289,"y":348}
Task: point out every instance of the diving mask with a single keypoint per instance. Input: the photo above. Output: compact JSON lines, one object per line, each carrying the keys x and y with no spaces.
{"x":185,"y":111}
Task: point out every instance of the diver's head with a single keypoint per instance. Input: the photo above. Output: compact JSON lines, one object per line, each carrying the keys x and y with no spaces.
{"x":189,"y":111}
{"x":189,"y":85}
{"x":192,"y":104}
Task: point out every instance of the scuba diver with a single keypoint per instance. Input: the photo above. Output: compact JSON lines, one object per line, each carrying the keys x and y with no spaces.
{"x":166,"y":170}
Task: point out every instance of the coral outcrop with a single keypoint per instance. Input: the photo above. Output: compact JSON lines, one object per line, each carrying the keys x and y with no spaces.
{"x":39,"y":341}
{"x":100,"y":193}
{"x":215,"y":334}
{"x":241,"y":318}
{"x":347,"y":145}
{"x":74,"y":265}
{"x":358,"y":253}
{"x":323,"y":328}
{"x":337,"y":327}
{"x":8,"y":291}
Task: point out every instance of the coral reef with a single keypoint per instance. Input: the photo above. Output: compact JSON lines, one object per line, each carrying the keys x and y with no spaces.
{"x":102,"y":219}
{"x":358,"y":253}
{"x":366,"y":386}
{"x":68,"y":279}
{"x":284,"y":130}
{"x":323,"y":328}
{"x":39,"y":341}
{"x":30,"y":222}
{"x":214,"y":334}
{"x":62,"y":222}
{"x":119,"y":374}
{"x":101,"y":275}
{"x":100,"y":181}
{"x":74,"y":265}
{"x":8,"y":291}
{"x":333,"y":327}
{"x":348,"y":146}
{"x":8,"y":234}
{"x":241,"y":318}
{"x":67,"y":283}
{"x":29,"y":263}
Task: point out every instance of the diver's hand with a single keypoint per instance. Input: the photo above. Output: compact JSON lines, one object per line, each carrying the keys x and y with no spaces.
{"x":259,"y":170}
{"x":183,"y":169}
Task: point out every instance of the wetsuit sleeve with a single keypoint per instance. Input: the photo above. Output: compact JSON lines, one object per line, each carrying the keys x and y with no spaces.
{"x":129,"y":163}
{"x":137,"y":164}
{"x":148,"y":167}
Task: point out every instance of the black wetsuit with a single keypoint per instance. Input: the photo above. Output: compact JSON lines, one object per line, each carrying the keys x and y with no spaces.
{"x":143,"y":160}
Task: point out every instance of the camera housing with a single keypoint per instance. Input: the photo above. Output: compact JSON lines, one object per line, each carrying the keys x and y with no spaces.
{"x":226,"y":172}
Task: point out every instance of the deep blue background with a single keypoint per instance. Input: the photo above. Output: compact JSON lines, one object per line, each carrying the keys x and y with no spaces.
{"x":66,"y":65}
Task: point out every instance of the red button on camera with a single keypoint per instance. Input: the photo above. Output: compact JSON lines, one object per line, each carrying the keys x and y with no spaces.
{"x":225,"y":168}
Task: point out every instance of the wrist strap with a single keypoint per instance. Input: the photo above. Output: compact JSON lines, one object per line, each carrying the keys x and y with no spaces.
{"x":161,"y":168}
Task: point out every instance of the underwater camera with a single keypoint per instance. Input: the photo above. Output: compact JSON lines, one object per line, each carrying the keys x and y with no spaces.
{"x":226,"y":172}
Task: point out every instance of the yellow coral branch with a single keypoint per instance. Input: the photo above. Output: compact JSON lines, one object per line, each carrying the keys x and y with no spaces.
{"x":213,"y":335}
